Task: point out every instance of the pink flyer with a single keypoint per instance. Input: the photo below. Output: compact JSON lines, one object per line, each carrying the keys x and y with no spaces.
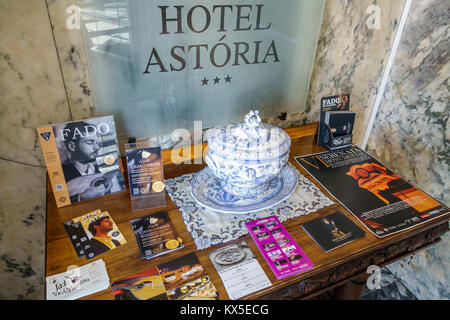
{"x":282,"y":253}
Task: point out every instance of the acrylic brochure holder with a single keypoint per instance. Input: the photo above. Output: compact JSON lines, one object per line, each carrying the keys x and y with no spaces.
{"x":325,"y":135}
{"x":332,"y":142}
{"x":145,"y":175}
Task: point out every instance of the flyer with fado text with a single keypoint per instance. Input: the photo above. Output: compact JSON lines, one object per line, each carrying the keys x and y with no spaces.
{"x":380,"y":199}
{"x":283,"y":255}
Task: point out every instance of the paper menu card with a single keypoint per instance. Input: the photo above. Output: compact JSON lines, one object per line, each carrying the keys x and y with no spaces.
{"x":283,"y":255}
{"x":239,"y":270}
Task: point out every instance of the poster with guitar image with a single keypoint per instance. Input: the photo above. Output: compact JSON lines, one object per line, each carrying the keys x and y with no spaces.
{"x":183,"y":278}
{"x":380,"y":199}
{"x":82,"y":159}
{"x":146,"y":285}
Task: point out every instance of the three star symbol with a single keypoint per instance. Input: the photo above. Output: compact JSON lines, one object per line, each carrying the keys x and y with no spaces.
{"x":216,"y":80}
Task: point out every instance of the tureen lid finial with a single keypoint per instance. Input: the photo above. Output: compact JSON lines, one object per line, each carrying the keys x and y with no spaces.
{"x":252,"y":118}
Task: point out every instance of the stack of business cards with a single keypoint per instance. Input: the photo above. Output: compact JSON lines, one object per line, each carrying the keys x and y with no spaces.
{"x":78,"y":282}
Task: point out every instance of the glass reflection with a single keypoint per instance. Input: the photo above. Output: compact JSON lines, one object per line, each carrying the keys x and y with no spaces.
{"x":161,"y":65}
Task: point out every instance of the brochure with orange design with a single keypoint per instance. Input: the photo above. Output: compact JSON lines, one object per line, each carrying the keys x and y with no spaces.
{"x":383,"y":201}
{"x":183,"y":278}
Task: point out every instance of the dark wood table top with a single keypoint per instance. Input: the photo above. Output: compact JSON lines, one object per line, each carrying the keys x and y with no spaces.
{"x":126,"y":259}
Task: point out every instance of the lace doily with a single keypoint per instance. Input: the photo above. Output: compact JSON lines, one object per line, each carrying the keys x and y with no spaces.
{"x":209,"y":228}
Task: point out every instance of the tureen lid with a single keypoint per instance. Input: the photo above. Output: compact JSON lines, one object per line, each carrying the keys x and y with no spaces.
{"x":250,"y":140}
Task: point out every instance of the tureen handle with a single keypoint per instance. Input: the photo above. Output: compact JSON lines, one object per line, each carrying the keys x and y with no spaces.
{"x":252,"y":118}
{"x":251,"y":127}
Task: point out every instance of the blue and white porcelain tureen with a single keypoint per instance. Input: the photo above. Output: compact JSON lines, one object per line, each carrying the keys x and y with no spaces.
{"x":248,"y":156}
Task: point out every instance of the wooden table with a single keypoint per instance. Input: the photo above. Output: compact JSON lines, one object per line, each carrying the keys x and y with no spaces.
{"x":340,"y":273}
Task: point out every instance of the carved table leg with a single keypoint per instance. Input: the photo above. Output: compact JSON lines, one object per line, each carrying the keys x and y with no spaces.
{"x":351,"y":290}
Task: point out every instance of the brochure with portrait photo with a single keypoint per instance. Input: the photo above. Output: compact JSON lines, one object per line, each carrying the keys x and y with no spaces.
{"x":82,"y":159}
{"x":93,"y":233}
{"x":337,"y":103}
{"x":333,"y":231}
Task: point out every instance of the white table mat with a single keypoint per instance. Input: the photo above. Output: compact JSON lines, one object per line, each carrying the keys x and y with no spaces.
{"x":209,"y":228}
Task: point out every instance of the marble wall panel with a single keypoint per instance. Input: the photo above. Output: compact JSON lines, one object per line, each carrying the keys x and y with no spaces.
{"x":64,"y":18}
{"x":22,"y":231}
{"x":411,"y":132}
{"x":32,"y":92}
{"x":352,"y":54}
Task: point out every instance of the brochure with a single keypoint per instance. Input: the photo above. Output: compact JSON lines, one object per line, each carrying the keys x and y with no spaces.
{"x":180,"y":279}
{"x":78,"y":282}
{"x":146,"y":285}
{"x":239,"y":270}
{"x":93,"y":233}
{"x":333,"y":231}
{"x":381,"y":200}
{"x":145,"y":176}
{"x":282,"y":253}
{"x":82,"y":159}
{"x":156,"y":235}
{"x":340,"y":122}
{"x":327,"y":104}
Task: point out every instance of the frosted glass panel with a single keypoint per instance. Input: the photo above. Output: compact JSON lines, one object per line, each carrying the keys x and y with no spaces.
{"x":163,"y":64}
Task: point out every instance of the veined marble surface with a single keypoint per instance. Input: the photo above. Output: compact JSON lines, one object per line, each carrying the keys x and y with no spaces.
{"x":31,"y":88}
{"x":32,"y":93}
{"x":411,"y":133}
{"x":351,"y":56}
{"x":390,"y":289}
{"x":72,"y":57}
{"x":22,"y":231}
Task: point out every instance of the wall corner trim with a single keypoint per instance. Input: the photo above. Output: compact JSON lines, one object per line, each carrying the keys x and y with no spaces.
{"x":387,"y":72}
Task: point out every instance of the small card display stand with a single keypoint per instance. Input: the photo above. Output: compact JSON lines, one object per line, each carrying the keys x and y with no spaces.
{"x":326,"y":136}
{"x":332,"y":142}
{"x":145,"y":175}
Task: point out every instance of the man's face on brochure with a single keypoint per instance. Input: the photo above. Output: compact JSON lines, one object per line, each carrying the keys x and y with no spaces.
{"x":89,"y":146}
{"x":105,"y":226}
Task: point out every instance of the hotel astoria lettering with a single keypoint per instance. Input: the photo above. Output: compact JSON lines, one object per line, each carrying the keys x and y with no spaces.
{"x":179,"y":20}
